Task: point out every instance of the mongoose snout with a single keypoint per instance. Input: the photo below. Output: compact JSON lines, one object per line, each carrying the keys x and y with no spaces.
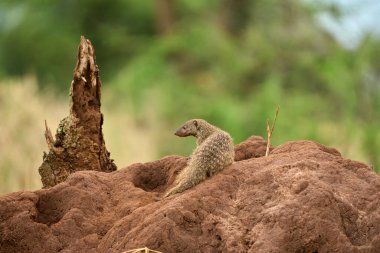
{"x":180,"y":132}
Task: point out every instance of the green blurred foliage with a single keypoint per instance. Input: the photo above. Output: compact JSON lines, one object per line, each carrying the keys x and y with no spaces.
{"x":230,"y":62}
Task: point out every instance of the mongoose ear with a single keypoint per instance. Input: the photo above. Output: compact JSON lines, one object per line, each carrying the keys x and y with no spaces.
{"x":195,"y":122}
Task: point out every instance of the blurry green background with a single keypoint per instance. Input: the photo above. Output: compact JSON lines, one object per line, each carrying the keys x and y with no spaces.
{"x":163,"y":62}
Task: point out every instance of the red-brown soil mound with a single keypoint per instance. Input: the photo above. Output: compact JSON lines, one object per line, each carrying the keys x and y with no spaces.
{"x":304,"y":197}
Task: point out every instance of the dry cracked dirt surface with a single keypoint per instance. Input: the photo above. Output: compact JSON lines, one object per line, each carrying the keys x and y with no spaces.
{"x":304,"y":197}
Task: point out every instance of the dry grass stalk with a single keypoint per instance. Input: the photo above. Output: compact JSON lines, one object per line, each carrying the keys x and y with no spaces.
{"x":270,"y":131}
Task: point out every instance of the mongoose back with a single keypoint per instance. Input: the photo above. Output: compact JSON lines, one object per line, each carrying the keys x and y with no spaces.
{"x":214,"y":151}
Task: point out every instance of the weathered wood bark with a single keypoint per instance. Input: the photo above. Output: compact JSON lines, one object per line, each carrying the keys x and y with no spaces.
{"x":79,"y":143}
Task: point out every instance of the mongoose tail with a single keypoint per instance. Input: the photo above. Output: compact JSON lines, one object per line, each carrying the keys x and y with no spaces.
{"x":182,"y":186}
{"x":186,"y":179}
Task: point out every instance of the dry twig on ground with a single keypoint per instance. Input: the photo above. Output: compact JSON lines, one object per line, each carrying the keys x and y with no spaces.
{"x":141,"y":250}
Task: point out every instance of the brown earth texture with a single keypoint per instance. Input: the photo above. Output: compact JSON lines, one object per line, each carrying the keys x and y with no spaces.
{"x":303,"y":197}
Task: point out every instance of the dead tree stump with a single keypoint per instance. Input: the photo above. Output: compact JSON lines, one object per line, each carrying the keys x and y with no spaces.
{"x":79,"y":143}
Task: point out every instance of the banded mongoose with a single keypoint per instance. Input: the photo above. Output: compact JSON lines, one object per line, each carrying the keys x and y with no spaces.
{"x":214,"y":151}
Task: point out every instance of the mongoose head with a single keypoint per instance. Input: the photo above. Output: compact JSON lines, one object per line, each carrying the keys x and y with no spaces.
{"x":198,"y":128}
{"x":189,"y":128}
